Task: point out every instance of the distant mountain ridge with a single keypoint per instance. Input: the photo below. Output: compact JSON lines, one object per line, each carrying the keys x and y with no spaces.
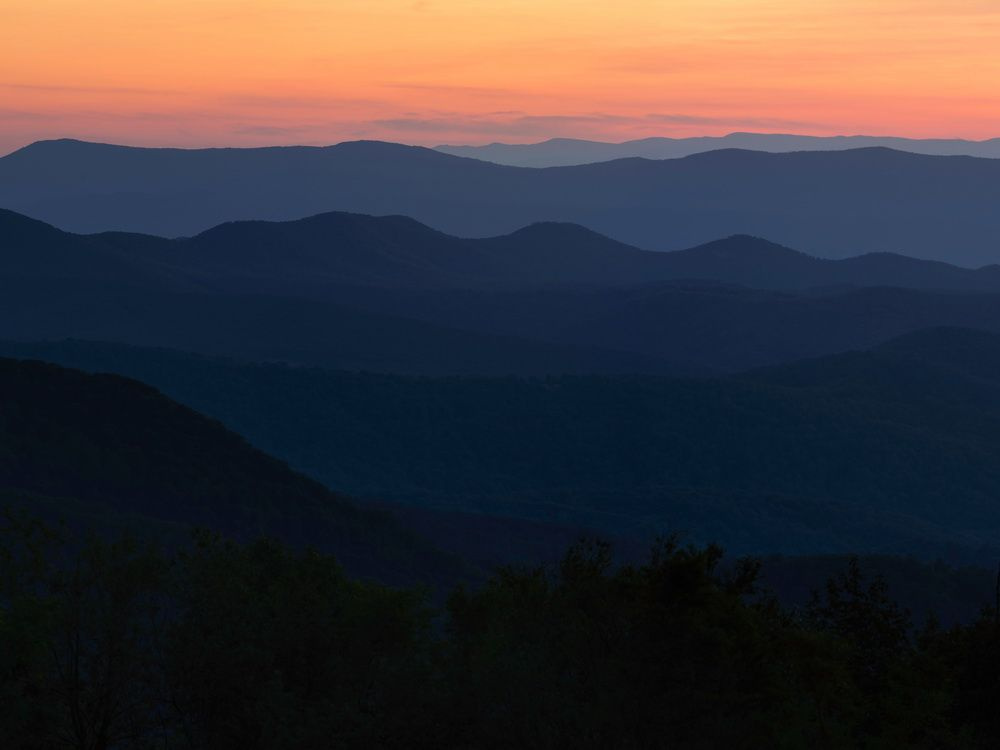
{"x":317,"y":255}
{"x":567,"y":152}
{"x":829,"y":204}
{"x":758,"y":263}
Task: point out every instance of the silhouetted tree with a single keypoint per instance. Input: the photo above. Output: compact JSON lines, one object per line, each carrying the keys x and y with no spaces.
{"x":273,"y":649}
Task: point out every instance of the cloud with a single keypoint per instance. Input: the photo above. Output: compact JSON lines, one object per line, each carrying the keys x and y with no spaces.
{"x":19,"y":114}
{"x":454,"y":89}
{"x":299,"y":102}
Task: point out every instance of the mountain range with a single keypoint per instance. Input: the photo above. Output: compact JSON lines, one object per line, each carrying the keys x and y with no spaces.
{"x":736,"y":390}
{"x":829,"y":204}
{"x":566,"y":152}
{"x":391,"y":295}
{"x":312,"y":256}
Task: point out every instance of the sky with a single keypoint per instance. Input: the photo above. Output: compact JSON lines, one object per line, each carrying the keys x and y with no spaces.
{"x":261,"y":72}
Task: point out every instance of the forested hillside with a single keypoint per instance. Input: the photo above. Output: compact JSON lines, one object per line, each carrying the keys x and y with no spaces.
{"x":892,"y":450}
{"x":102,"y":451}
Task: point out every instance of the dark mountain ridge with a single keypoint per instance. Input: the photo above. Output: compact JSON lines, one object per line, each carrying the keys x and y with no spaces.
{"x":758,"y":263}
{"x":307,"y":256}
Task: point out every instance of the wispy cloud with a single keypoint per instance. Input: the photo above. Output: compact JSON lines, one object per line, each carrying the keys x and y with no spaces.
{"x":519,"y":124}
{"x":269,"y":130}
{"x":70,"y":89}
{"x":454,"y":89}
{"x":20,"y":114}
{"x":299,"y":101}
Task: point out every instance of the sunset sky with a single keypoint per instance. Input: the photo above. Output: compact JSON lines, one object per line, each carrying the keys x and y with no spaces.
{"x":256,"y":72}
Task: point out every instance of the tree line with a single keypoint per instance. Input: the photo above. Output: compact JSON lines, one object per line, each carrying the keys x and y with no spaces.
{"x":116,"y":643}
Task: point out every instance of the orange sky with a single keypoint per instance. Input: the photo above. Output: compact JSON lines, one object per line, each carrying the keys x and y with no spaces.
{"x":251,"y":72}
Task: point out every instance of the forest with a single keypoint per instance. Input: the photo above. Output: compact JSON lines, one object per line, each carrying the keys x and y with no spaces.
{"x":110,"y":641}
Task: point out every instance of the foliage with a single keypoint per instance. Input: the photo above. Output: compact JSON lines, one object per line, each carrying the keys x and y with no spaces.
{"x":116,"y":644}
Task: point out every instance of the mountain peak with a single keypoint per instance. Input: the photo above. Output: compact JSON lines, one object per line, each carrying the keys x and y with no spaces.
{"x":745,"y":246}
{"x":554,"y":228}
{"x":61,"y":145}
{"x":389,"y":148}
{"x":328,"y":223}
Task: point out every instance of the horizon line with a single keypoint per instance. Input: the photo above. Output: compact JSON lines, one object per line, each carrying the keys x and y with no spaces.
{"x":510,"y":144}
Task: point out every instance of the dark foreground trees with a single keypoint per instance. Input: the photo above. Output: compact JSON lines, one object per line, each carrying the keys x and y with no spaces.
{"x":222,"y":645}
{"x":271,"y":649}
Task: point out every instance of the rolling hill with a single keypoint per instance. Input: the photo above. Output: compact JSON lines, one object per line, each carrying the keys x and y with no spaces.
{"x":319,"y":255}
{"x":323,"y":252}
